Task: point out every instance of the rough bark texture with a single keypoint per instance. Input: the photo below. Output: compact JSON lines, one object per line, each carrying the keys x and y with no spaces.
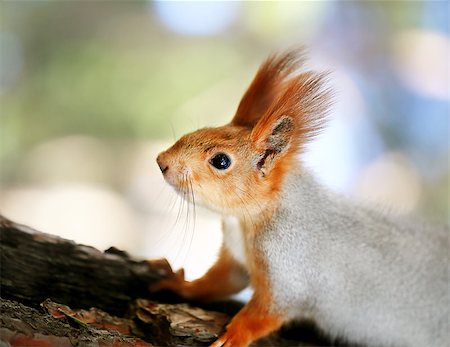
{"x":55,"y":292}
{"x":36,"y":266}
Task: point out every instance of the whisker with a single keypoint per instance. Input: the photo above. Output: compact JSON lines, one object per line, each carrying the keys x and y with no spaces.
{"x":194,"y":219}
{"x":173,"y":200}
{"x":164,"y":236}
{"x":186,"y":226}
{"x":181,"y":208}
{"x":185,"y":203}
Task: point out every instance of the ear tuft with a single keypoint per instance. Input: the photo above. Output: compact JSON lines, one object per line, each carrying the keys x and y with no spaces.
{"x":305,"y":100}
{"x":285,"y":109}
{"x":265,"y":87}
{"x":298,"y":114}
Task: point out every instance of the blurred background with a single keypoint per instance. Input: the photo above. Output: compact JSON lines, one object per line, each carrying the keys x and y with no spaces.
{"x":91,"y":91}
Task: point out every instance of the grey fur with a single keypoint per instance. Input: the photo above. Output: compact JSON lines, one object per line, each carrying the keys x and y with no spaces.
{"x":361,"y":275}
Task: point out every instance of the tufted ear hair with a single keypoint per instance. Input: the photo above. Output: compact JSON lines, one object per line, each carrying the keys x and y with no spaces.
{"x":265,"y":87}
{"x":295,"y":117}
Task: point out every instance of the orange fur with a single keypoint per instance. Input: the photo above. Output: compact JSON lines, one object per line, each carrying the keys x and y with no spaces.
{"x":304,"y":100}
{"x":251,"y":323}
{"x":264,"y":89}
{"x":279,"y":113}
{"x":224,"y":278}
{"x":258,"y":317}
{"x":190,"y":155}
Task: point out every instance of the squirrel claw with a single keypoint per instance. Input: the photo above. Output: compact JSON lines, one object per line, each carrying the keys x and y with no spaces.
{"x":229,"y":340}
{"x":172,"y":280}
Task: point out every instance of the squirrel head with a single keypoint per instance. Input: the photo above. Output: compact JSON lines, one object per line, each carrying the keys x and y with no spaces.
{"x":239,"y":168}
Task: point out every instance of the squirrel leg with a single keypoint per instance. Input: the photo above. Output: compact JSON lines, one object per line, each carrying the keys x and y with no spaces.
{"x":253,"y":321}
{"x":258,"y":317}
{"x":224,"y":278}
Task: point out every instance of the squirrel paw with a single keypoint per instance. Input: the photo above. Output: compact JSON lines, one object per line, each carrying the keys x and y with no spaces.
{"x":232,"y":338}
{"x":173,"y":281}
{"x":250,"y":324}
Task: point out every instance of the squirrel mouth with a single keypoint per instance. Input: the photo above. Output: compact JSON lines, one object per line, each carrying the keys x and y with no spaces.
{"x":183,"y":186}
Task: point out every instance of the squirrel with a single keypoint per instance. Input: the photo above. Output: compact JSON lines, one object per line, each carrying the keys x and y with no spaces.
{"x":362,"y":275}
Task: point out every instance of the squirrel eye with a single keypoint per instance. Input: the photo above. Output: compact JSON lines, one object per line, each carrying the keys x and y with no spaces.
{"x":220,"y":161}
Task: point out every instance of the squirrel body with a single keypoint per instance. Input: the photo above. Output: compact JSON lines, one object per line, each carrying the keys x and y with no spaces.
{"x":359,"y":274}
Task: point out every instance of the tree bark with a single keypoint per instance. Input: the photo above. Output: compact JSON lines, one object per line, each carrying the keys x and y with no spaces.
{"x":37,"y":266}
{"x":55,"y":292}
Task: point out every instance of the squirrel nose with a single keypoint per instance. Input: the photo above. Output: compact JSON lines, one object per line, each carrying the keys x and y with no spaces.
{"x":164,"y":169}
{"x":162,"y":166}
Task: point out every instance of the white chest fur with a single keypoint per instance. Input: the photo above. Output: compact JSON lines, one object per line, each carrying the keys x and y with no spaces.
{"x":233,"y":238}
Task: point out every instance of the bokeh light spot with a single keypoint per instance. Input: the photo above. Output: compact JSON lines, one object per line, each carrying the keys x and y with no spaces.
{"x":196,"y":18}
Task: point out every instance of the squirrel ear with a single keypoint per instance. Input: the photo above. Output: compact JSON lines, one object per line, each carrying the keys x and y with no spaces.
{"x":265,"y":87}
{"x":273,"y":142}
{"x":295,"y":117}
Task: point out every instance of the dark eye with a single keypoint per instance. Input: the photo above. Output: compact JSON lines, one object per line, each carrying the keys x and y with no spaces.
{"x":220,"y":161}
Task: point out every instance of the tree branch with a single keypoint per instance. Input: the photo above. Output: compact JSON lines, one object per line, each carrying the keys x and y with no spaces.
{"x":55,"y":292}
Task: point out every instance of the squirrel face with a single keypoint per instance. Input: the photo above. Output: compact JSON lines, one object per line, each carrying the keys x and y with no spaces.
{"x":238,"y":168}
{"x":220,"y":168}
